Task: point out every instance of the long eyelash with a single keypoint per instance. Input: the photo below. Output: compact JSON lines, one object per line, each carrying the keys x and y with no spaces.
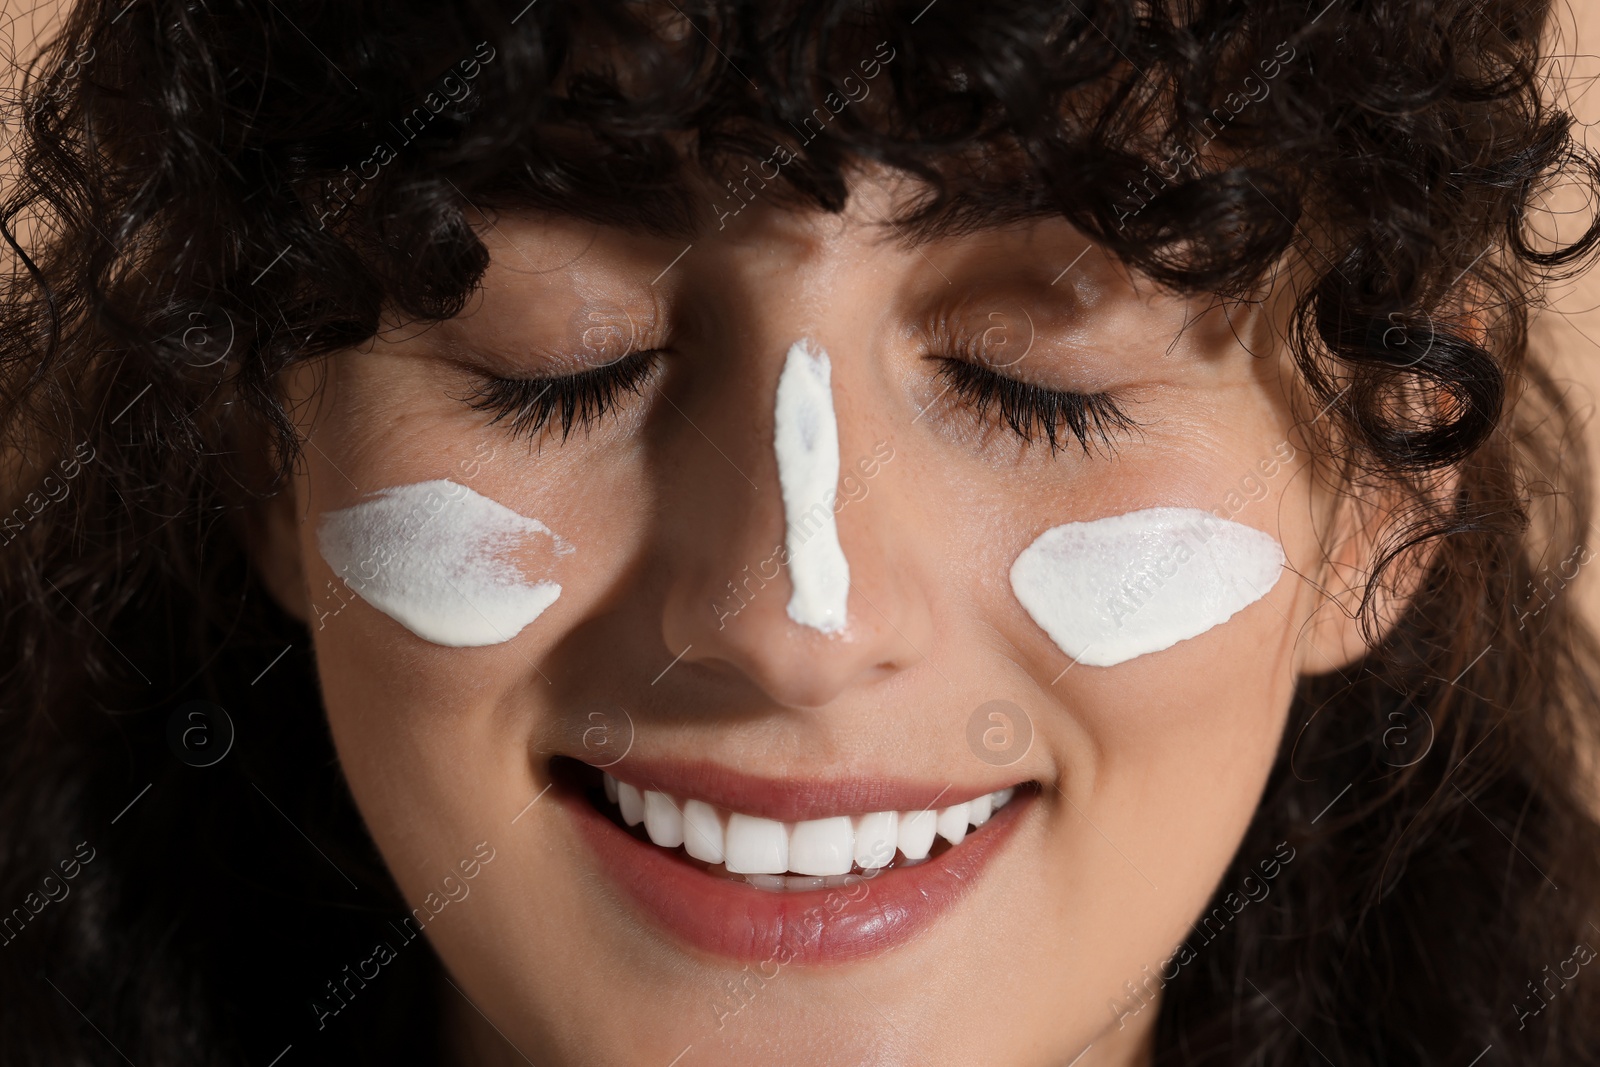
{"x":1032,"y":411}
{"x":579,"y":399}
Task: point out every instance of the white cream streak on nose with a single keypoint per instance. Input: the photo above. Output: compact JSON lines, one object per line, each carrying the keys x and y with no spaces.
{"x":806,"y":438}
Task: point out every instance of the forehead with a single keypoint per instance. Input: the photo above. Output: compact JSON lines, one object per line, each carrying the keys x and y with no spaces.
{"x":877,"y":226}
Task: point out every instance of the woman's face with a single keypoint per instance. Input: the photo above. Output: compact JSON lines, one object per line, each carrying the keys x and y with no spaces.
{"x":670,"y":656}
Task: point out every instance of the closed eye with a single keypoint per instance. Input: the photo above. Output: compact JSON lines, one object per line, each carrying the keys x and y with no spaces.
{"x":1033,"y":411}
{"x":530,"y":405}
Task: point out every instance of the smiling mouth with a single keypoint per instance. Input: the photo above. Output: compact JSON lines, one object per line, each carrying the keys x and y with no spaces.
{"x":780,"y":856}
{"x":798,"y":870}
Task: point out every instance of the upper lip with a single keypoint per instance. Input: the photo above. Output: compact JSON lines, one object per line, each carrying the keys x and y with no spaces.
{"x":794,"y":799}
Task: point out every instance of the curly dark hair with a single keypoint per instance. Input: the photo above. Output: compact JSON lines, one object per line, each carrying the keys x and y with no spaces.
{"x":204,"y":192}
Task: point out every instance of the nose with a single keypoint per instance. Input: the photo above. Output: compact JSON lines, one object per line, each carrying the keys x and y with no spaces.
{"x":729,"y":599}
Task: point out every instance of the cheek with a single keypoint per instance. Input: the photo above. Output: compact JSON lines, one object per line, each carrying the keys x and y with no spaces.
{"x":431,"y":737}
{"x":1188,"y":729}
{"x":1116,"y":588}
{"x":449,"y":564}
{"x":1169,"y":721}
{"x":1163,"y":759}
{"x":427,"y":662}
{"x":460,"y":533}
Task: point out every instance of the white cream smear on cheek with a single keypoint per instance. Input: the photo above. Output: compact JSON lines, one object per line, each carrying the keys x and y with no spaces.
{"x":806,"y":439}
{"x":441,"y":560}
{"x":1119,"y":587}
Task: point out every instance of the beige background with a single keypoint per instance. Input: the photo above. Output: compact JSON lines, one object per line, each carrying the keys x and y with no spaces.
{"x":1565,"y":335}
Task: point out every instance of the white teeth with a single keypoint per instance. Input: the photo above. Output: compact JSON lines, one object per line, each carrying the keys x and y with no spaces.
{"x":813,"y":854}
{"x":916,"y":832}
{"x":876,"y":838}
{"x":952,"y":823}
{"x":754,"y":845}
{"x":662,"y":819}
{"x":822,"y":846}
{"x":631,"y":803}
{"x":702,"y":831}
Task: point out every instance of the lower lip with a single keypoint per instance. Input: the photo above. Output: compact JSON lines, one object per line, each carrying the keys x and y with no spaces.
{"x":735,"y":920}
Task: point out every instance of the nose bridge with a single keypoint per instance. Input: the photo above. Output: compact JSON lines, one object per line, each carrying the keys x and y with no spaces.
{"x":772,"y":585}
{"x":806,"y":445}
